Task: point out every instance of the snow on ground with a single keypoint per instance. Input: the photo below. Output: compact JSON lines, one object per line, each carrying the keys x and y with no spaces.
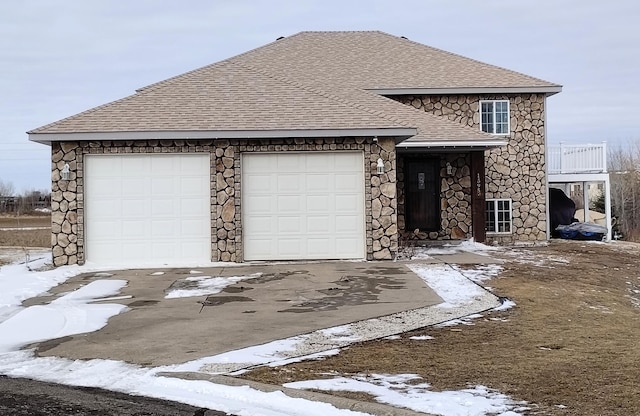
{"x":130,"y":379}
{"x":70,"y":314}
{"x":75,"y":313}
{"x":447,"y":281}
{"x":402,"y":390}
{"x":207,"y":285}
{"x":467,"y":246}
{"x":421,"y":337}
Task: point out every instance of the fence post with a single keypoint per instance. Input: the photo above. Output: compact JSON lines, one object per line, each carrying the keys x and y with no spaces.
{"x":604,"y":156}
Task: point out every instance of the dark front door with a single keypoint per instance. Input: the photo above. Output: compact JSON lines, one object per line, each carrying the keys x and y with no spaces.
{"x":422,"y":194}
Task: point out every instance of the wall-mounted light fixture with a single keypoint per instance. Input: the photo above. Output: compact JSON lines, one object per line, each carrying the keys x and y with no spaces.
{"x":380,"y":166}
{"x":449,"y":168}
{"x":65,"y":173}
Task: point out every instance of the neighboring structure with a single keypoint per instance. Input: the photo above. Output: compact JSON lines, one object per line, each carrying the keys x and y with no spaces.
{"x":322,"y":145}
{"x":584,"y":165}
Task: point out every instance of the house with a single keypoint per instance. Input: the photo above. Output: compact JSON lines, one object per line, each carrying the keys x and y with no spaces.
{"x":321,"y":145}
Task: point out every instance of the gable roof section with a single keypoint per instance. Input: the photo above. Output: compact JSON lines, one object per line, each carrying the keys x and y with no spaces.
{"x":313,"y":84}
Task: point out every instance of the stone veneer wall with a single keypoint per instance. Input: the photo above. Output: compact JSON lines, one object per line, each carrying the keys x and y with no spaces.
{"x":455,"y":199}
{"x":226,"y":225}
{"x":515,"y":171}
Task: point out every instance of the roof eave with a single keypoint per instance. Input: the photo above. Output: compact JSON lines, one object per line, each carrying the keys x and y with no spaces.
{"x":449,"y":145}
{"x":399,"y":134}
{"x":547,"y":90}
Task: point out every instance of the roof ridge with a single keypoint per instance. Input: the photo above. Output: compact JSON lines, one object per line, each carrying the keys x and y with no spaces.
{"x":326,"y":94}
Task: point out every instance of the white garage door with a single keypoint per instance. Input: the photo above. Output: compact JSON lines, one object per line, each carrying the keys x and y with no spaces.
{"x":147,"y":209}
{"x":303,"y":206}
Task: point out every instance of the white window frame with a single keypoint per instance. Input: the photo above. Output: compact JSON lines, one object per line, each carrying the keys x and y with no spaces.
{"x":496,"y":213}
{"x":494,"y":122}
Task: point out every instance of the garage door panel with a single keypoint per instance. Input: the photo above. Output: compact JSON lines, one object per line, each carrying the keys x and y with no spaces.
{"x":163,"y":229}
{"x":193,"y":185}
{"x":289,"y":183}
{"x":347,"y":203}
{"x":290,"y":225}
{"x":106,"y":227}
{"x":108,"y":208}
{"x":255,"y":182}
{"x":136,"y":187}
{"x":286,"y":163}
{"x":147,"y":208}
{"x":133,"y":229}
{"x":138,"y":165}
{"x":319,"y":247}
{"x":289,"y":203}
{"x":260,"y":225}
{"x":289,"y":246}
{"x":319,"y":182}
{"x":259,"y":205}
{"x":349,"y":246}
{"x":193,"y":229}
{"x":346,"y":223}
{"x":319,"y":224}
{"x":135,"y":208}
{"x":193,"y":206}
{"x":346,"y":182}
{"x":318,"y":203}
{"x":344,"y":162}
{"x":301,"y":202}
{"x":162,"y":186}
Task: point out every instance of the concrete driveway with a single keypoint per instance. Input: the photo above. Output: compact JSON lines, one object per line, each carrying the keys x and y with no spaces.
{"x":271,"y":302}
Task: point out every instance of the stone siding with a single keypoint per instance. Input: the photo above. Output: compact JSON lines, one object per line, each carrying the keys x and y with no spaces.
{"x":226,"y":220}
{"x":455,"y":200}
{"x":515,"y":171}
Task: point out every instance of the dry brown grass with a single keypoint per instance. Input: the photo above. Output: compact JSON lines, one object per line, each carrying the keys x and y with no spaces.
{"x":573,"y":339}
{"x":17,"y":231}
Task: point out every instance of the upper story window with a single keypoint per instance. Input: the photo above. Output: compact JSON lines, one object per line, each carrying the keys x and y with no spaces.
{"x":494,"y":116}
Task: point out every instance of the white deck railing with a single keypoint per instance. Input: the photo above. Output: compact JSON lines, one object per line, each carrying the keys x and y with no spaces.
{"x":577,"y":158}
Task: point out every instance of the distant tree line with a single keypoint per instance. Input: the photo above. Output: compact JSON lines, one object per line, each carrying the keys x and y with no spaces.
{"x":24,"y":203}
{"x":624,"y":175}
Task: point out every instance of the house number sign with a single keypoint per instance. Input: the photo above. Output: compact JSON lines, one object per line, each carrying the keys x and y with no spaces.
{"x":421,"y":181}
{"x":478,"y":185}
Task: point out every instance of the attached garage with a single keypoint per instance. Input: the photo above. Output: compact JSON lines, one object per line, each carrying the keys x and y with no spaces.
{"x":303,"y":205}
{"x":147,"y":208}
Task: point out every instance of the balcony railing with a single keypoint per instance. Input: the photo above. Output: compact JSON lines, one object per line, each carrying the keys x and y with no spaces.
{"x":578,"y":158}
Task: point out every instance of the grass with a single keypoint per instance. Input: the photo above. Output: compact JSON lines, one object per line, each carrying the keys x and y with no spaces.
{"x":572,"y":340}
{"x":15,"y":230}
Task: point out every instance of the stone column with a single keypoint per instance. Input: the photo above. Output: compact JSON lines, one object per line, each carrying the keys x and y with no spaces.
{"x":64,"y":203}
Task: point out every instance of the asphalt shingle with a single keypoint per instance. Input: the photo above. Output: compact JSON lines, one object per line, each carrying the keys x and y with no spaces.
{"x":309,"y":81}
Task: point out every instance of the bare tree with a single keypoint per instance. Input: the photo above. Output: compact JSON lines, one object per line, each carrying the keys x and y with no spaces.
{"x":6,"y":188}
{"x":624,"y":165}
{"x":7,"y":197}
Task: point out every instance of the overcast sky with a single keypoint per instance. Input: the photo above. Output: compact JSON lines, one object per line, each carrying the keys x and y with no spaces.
{"x":58,"y":58}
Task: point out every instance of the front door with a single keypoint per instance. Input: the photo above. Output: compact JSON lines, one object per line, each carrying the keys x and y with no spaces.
{"x":422,"y":194}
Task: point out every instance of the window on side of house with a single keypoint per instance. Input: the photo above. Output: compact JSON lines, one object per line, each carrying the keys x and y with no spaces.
{"x":494,"y":116}
{"x":498,"y":216}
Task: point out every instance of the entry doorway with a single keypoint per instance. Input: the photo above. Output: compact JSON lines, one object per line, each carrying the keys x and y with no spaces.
{"x":422,"y":193}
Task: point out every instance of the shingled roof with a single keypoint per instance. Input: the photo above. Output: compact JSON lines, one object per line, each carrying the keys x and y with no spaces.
{"x":313,"y":84}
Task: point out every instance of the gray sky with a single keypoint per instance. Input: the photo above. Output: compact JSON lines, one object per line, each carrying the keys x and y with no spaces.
{"x":58,"y":58}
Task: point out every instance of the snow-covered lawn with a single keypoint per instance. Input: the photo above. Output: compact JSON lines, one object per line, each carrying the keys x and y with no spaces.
{"x":75,"y":313}
{"x":404,"y":390}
